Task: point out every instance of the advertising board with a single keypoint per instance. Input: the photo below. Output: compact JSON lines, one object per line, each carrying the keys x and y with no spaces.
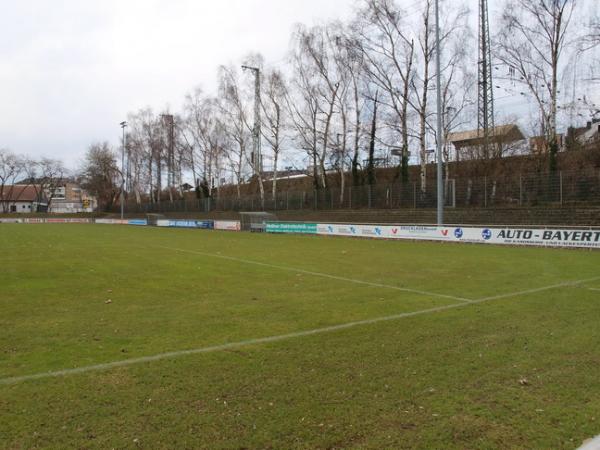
{"x":111,"y":222}
{"x":291,"y":227}
{"x":548,"y":237}
{"x":381,"y":231}
{"x":545,"y":237}
{"x":62,"y":220}
{"x":227,"y":225}
{"x":10,"y":221}
{"x":200,"y":224}
{"x":137,"y":222}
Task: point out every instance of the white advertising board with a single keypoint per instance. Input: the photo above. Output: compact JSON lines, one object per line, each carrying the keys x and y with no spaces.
{"x":61,"y":220}
{"x":550,"y":237}
{"x":10,"y":220}
{"x":112,"y":222}
{"x":546,"y":237}
{"x":228,"y":225}
{"x":382,"y":231}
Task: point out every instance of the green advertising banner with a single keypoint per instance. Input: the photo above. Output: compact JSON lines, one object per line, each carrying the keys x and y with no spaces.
{"x":289,"y":227}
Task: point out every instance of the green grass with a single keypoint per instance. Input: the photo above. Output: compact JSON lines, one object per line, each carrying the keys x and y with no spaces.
{"x":448,"y":379}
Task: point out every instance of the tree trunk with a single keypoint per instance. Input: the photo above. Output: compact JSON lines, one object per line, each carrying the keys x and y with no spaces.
{"x":370,"y":168}
{"x":356,"y":181}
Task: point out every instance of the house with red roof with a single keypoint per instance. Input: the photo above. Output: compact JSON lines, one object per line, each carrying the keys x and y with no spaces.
{"x":20,"y":198}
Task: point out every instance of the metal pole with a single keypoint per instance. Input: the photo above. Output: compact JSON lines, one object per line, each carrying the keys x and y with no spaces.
{"x":415,"y":195}
{"x":485,"y":192}
{"x":520,"y":190}
{"x":561,"y":189}
{"x":123,"y":125}
{"x":440,"y":137}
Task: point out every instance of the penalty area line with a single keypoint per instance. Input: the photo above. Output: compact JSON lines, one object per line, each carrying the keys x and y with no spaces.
{"x":271,"y":339}
{"x":320,"y":274}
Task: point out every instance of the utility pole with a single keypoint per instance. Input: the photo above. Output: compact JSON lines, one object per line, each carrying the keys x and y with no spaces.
{"x":256,"y":132}
{"x":485,"y":115}
{"x":123,"y":126}
{"x":440,"y":134}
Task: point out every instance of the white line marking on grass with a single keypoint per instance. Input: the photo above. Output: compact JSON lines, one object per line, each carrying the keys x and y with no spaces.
{"x":282,"y":337}
{"x":536,"y":290}
{"x":322,"y":275}
{"x":594,"y":289}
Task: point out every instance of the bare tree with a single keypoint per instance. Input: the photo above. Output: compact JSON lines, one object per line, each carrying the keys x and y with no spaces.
{"x":531,"y":42}
{"x":320,"y":81}
{"x":236,"y":125}
{"x":12,"y":167}
{"x":52,"y":174}
{"x":273,"y":106}
{"x":138,"y":156}
{"x":591,"y":38}
{"x":100,"y":174}
{"x":421,"y":85}
{"x":147,"y":143}
{"x":204,"y":134}
{"x":303,"y":105}
{"x":389,"y":53}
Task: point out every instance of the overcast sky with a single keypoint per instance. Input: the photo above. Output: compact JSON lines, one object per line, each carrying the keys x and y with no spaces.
{"x":71,"y":70}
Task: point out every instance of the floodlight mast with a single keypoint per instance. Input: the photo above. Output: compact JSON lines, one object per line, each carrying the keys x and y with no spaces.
{"x":123,"y":126}
{"x":256,"y":132}
{"x":440,"y":135}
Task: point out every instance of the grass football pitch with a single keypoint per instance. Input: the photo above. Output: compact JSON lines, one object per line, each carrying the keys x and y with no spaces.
{"x":123,"y":337}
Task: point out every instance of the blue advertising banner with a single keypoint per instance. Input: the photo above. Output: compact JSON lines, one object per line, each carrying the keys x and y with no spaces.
{"x":201,"y":224}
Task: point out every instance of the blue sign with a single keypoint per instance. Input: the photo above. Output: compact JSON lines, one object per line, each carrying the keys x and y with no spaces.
{"x":202,"y":224}
{"x":459,"y":233}
{"x":487,"y":234}
{"x":137,"y":222}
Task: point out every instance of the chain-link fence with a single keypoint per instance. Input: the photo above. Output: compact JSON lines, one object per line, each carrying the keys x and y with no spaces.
{"x":560,"y":188}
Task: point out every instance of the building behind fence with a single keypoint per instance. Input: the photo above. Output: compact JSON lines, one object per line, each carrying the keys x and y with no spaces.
{"x":552,"y":190}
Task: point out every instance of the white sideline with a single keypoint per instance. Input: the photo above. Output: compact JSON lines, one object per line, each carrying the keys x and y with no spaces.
{"x":319,"y":274}
{"x":269,"y":339}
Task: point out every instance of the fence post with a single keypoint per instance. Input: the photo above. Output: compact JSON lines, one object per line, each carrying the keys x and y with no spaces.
{"x":369,"y":195}
{"x":520,"y":190}
{"x":561,"y":187}
{"x":485,"y":192}
{"x":350,"y":196}
{"x":415,"y":194}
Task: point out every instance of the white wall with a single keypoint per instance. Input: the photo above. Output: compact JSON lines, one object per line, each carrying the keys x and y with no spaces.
{"x":21,"y":207}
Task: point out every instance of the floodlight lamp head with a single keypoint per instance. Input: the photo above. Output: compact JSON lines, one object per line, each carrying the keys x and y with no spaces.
{"x":245,"y":67}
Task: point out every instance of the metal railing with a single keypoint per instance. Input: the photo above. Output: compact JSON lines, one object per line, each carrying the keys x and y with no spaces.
{"x":560,"y":188}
